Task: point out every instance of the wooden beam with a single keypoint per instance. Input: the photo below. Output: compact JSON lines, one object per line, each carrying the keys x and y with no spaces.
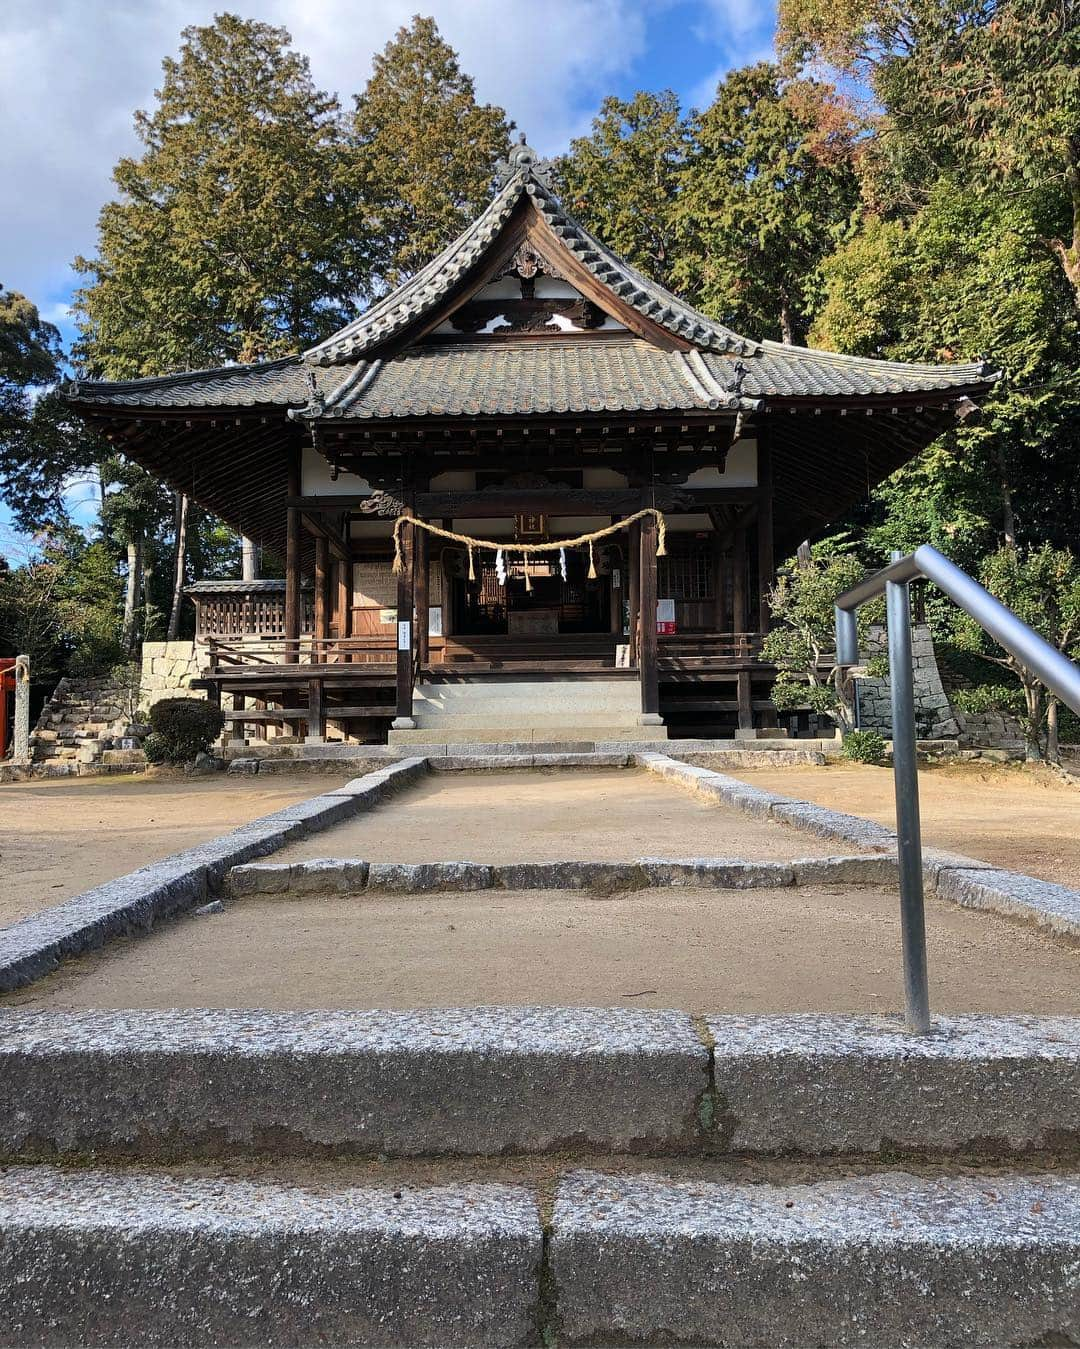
{"x":323,"y":529}
{"x":316,"y":715}
{"x":634,"y":560}
{"x":766,"y":543}
{"x":406,"y":636}
{"x":292,"y":586}
{"x":421,"y":570}
{"x":647,"y":666}
{"x":322,"y":586}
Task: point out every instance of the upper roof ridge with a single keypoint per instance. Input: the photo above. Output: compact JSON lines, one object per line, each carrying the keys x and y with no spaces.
{"x":524,"y":173}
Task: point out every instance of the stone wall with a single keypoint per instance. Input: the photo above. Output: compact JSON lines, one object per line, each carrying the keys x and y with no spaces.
{"x":167,"y":671}
{"x":933,"y":716}
{"x":990,"y":729}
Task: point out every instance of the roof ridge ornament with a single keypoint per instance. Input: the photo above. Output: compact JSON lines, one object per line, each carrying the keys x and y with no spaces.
{"x":522,"y":160}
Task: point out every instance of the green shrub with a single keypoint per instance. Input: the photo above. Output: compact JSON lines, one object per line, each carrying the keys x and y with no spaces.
{"x":1005,"y":699}
{"x":181,"y":729}
{"x":864,"y":747}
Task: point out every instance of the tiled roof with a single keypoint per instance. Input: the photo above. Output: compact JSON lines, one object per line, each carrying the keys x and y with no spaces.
{"x":521,"y":378}
{"x":430,"y":286}
{"x":284,"y":383}
{"x":233,"y":586}
{"x":455,"y":379}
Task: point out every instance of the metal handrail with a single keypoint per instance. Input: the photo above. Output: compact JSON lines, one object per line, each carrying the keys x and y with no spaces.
{"x":1056,"y":671}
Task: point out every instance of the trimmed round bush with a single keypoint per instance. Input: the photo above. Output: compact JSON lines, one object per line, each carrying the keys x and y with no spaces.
{"x":182,"y":728}
{"x":864,"y":747}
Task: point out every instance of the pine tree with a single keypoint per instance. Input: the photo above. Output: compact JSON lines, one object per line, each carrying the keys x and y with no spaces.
{"x":622,"y":180}
{"x":424,"y":149}
{"x":233,"y":236}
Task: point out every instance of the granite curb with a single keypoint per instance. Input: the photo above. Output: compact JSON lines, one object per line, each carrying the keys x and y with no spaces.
{"x":342,"y":875}
{"x":966,"y":881}
{"x":819,"y":1085}
{"x":35,"y":945}
{"x":142,"y":1258}
{"x":428,"y":1082}
{"x":884,"y":1260}
{"x":519,"y":1080}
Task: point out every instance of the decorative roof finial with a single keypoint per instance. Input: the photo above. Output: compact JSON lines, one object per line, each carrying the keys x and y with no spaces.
{"x":523,"y":160}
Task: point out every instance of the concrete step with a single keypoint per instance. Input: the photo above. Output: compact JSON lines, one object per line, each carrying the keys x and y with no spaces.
{"x":442,"y":733}
{"x":487,"y":1081}
{"x":99,"y":1257}
{"x":102,"y":1258}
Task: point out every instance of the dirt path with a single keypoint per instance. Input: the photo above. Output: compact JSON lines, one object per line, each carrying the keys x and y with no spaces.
{"x":60,"y":837}
{"x":827,"y":949}
{"x":612,"y":814}
{"x":1009,"y":816}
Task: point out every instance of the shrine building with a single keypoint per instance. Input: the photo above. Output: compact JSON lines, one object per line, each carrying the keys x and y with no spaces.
{"x":524,"y":389}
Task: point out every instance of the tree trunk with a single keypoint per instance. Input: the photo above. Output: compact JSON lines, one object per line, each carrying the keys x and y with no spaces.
{"x":787,"y":323}
{"x":1008,"y":517}
{"x":1053,"y":749}
{"x":249,"y":559}
{"x":1033,"y":700}
{"x":178,"y":570}
{"x":132,"y":595}
{"x":147,"y":633}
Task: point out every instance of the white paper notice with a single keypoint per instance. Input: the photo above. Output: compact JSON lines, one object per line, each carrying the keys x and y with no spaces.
{"x":404,"y":635}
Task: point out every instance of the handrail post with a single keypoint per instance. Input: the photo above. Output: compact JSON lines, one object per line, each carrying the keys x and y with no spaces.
{"x":906,"y":783}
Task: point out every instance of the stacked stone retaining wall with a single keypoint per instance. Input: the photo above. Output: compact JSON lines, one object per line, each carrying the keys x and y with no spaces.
{"x":167,"y":671}
{"x":933,"y":716}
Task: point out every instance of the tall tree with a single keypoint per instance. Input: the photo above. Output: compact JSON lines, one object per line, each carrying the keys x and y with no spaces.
{"x":424,"y":149}
{"x":985,"y":89}
{"x":41,"y":445}
{"x":233,"y":237}
{"x":622,"y":180}
{"x":768,"y":191}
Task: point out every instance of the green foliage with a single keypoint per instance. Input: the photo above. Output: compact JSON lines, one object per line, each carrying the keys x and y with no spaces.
{"x":234,"y":235}
{"x":1003,"y":699}
{"x":423,"y":150}
{"x":182,"y":728}
{"x":864,"y":747}
{"x":802,"y":641}
{"x":768,"y":191}
{"x":1042,"y":587}
{"x":622,"y":181}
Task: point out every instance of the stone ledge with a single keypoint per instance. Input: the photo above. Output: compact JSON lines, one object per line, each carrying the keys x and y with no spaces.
{"x":819,"y":1085}
{"x":467,"y":1081}
{"x":342,"y":875}
{"x":1053,"y":907}
{"x":148,"y":1259}
{"x":35,"y":945}
{"x":883,"y":1260}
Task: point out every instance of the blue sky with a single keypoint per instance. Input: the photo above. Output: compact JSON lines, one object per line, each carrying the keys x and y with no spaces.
{"x":84,"y":66}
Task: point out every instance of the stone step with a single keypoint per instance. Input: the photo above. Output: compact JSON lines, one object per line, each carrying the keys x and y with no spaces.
{"x":99,"y":1257}
{"x":488,"y":1081}
{"x":443,"y":733}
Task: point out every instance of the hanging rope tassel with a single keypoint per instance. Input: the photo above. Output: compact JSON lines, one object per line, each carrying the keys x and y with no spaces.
{"x":472,"y":569}
{"x":562,"y":563}
{"x":528,"y":578}
{"x":661,"y":536}
{"x":500,"y":568}
{"x":592,"y":563}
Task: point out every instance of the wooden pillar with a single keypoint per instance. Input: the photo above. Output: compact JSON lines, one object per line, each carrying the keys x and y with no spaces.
{"x":647,"y":658}
{"x":322,"y":599}
{"x":746,"y":707}
{"x":738,"y":596}
{"x":423,"y":593}
{"x":316,"y":717}
{"x":292,"y":586}
{"x":634,"y":563}
{"x":719,"y":588}
{"x":405,"y":638}
{"x":766,"y":562}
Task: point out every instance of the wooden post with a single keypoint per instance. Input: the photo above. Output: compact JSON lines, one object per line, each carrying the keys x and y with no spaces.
{"x":322,"y":596}
{"x":420,"y":569}
{"x":650,"y":688}
{"x":718,"y":586}
{"x":634,"y":563}
{"x":404,"y":719}
{"x":292,"y":586}
{"x":744,"y":695}
{"x":738,"y":597}
{"x":766,"y":563}
{"x":316,"y":717}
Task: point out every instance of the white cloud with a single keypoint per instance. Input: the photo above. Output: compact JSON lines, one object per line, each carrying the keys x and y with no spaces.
{"x":75,"y":70}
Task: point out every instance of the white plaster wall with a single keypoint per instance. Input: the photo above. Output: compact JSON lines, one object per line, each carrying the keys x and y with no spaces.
{"x":315,"y":478}
{"x":740,"y":469}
